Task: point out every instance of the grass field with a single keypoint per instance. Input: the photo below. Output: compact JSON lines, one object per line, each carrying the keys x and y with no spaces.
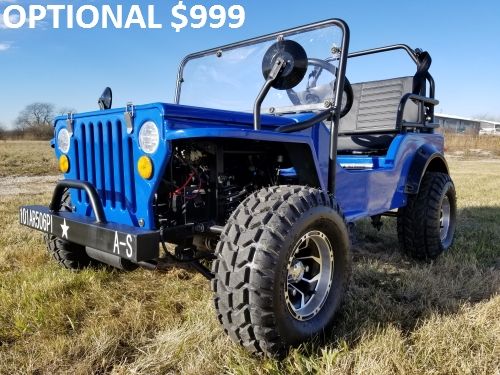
{"x":26,"y":158}
{"x":399,"y":317}
{"x":472,"y":146}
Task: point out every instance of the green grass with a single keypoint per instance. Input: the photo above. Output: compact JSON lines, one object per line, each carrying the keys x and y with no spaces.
{"x":399,"y":317}
{"x":27,"y":158}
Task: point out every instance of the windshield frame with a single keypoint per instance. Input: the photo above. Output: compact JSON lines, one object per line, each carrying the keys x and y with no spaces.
{"x":344,"y":50}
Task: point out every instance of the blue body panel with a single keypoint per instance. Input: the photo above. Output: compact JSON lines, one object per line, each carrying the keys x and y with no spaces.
{"x":103,"y":153}
{"x":367,"y":192}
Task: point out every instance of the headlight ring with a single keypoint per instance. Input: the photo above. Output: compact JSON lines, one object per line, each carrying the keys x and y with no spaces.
{"x":63,"y":140}
{"x":149,"y":137}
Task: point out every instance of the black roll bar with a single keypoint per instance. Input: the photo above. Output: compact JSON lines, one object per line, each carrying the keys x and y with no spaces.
{"x":334,"y":112}
{"x":413,"y":53}
{"x":339,"y":84}
{"x":94,"y":199}
{"x":425,"y":102}
{"x":217,"y":51}
{"x":303,"y":125}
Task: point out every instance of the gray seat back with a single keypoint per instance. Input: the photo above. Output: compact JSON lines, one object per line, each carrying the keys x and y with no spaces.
{"x":375,"y":106}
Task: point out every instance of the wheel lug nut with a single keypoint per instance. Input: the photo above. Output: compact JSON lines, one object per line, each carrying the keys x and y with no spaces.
{"x":307,"y":269}
{"x":294,"y":293}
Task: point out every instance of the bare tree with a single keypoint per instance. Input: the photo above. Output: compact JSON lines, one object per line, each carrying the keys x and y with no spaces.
{"x":36,"y":120}
{"x":63,"y":111}
{"x":487,"y":117}
{"x":3,"y":132}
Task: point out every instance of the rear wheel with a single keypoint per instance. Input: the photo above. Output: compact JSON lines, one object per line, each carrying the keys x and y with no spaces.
{"x":68,"y":254}
{"x":282,"y":268}
{"x":426,"y":226}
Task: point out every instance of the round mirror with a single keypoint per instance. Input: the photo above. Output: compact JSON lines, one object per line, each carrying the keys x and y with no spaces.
{"x":296,"y":63}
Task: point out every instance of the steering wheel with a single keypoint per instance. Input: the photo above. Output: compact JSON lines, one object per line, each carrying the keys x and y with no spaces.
{"x":315,"y":93}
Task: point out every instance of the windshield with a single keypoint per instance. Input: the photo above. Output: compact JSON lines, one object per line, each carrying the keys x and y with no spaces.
{"x":231,"y":77}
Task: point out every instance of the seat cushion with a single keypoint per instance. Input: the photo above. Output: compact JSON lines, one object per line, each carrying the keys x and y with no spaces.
{"x":364,"y":143}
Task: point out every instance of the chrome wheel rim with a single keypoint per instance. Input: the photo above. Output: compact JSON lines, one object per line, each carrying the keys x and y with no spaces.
{"x":444,"y":218}
{"x":309,"y":275}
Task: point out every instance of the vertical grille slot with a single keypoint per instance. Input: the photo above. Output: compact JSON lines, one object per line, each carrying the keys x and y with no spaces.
{"x":108,"y":162}
{"x":121,"y":171}
{"x":99,"y":162}
{"x":77,"y":166}
{"x":83,"y":160}
{"x":131,"y":186}
{"x":104,"y":157}
{"x":91,"y":154}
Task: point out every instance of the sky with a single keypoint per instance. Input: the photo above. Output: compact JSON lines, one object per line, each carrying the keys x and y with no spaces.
{"x":71,"y":67}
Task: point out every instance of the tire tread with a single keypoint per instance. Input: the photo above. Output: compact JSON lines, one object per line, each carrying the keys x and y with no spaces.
{"x":417,"y":234}
{"x":251,"y":241}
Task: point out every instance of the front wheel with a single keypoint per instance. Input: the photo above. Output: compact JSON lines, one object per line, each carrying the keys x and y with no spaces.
{"x":282,"y":267}
{"x":426,"y":226}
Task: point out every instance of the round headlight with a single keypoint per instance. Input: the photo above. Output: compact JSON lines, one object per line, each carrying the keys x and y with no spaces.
{"x":149,"y":137}
{"x":63,"y":140}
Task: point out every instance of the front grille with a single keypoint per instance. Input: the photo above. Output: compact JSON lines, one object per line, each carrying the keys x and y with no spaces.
{"x":104,"y":153}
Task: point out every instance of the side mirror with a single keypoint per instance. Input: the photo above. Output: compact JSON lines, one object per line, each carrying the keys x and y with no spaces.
{"x":295,"y":58}
{"x":106,"y":99}
{"x":284,"y":65}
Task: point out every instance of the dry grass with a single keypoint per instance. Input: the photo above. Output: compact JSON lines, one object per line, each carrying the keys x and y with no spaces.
{"x":469,"y":145}
{"x":36,"y":158}
{"x":400,"y":316}
{"x":27,"y":158}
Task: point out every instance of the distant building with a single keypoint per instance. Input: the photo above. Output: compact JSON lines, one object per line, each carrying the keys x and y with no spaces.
{"x":463,"y":125}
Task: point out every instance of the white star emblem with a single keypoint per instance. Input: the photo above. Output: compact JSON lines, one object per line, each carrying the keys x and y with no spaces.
{"x":64,"y":228}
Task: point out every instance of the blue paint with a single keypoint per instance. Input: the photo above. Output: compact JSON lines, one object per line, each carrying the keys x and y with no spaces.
{"x":288,"y":172}
{"x":102,"y":152}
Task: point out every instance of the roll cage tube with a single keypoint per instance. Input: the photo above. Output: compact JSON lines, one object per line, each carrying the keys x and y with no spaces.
{"x":334,"y":112}
{"x":244,"y":43}
{"x":422,"y":59}
{"x":419,"y":57}
{"x":339,"y":84}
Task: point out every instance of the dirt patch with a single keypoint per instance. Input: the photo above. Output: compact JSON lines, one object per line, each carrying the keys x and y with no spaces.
{"x":27,"y":185}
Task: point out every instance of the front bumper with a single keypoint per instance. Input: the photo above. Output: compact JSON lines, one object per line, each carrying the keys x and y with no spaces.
{"x":128,"y":242}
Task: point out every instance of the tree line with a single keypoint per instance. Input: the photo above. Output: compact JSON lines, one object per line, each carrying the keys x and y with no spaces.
{"x":35,"y":121}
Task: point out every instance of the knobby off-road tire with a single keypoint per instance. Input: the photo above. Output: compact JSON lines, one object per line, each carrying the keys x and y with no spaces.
{"x":68,"y":254}
{"x":426,"y":226}
{"x":267,"y":251}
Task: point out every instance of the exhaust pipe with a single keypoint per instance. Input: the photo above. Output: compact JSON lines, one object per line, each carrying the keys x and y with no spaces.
{"x":110,"y":259}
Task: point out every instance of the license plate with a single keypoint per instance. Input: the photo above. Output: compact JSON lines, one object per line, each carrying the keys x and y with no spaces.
{"x":124,"y":241}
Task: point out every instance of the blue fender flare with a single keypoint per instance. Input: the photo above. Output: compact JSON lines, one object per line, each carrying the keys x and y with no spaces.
{"x":427,"y":158}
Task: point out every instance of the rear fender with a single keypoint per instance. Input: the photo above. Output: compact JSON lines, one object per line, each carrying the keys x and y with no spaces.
{"x":427,"y":158}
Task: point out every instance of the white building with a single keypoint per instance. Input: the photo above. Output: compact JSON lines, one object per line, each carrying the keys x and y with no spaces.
{"x":464,"y":125}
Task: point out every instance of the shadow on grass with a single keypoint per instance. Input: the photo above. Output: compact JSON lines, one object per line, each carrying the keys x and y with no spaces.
{"x":388,"y":288}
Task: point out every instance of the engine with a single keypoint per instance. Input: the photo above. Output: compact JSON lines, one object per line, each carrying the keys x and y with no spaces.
{"x":207,"y":180}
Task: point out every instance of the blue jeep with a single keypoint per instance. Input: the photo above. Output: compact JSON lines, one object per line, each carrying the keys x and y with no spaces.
{"x":267,"y":156}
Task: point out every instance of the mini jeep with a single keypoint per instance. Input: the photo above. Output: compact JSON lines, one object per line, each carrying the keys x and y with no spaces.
{"x":267,"y":157}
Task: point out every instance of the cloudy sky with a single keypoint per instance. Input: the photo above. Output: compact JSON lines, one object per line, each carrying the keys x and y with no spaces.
{"x":71,"y":67}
